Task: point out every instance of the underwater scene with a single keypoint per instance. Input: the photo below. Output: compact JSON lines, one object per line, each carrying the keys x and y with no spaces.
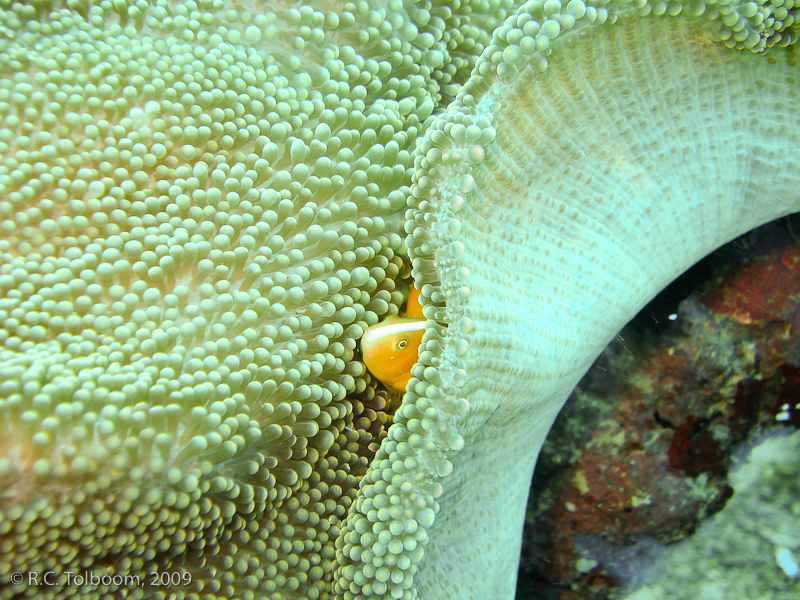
{"x":292,"y":295}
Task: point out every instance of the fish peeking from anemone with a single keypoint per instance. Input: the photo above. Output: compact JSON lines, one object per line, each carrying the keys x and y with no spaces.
{"x":390,"y":348}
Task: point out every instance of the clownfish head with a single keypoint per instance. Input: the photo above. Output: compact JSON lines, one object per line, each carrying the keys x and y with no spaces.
{"x":390,"y":348}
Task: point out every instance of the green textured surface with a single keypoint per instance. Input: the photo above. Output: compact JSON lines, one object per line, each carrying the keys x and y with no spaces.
{"x":193,"y":238}
{"x":200,"y":208}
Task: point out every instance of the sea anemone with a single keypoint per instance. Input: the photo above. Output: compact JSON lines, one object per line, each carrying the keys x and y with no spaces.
{"x":201,"y":212}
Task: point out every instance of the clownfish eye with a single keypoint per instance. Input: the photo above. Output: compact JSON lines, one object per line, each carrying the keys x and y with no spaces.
{"x":402,"y":344}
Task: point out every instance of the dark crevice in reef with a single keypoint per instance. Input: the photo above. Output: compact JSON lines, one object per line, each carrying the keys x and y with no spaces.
{"x":640,"y":455}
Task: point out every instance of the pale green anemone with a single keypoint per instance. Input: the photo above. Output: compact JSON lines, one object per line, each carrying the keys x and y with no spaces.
{"x":595,"y":154}
{"x":198,"y":219}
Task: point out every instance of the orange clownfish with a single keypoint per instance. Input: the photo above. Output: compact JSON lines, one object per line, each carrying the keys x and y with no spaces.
{"x":390,"y":348}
